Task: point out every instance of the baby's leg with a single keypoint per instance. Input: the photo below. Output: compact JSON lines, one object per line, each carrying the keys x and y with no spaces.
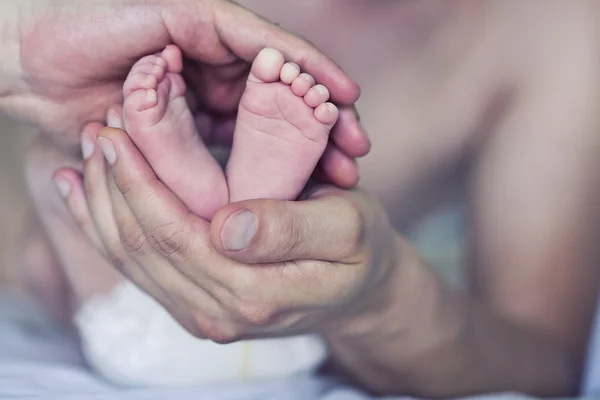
{"x":282,"y":130}
{"x":159,"y":121}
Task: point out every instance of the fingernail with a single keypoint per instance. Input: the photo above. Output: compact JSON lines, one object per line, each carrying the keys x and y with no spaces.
{"x":108,"y":149}
{"x":64,"y":188}
{"x":87,"y":146}
{"x":239,"y":230}
{"x":113,"y":120}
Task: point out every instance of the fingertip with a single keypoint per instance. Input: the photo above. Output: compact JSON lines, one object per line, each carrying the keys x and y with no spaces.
{"x":116,"y":144}
{"x":93,"y":128}
{"x":349,"y":134}
{"x":218,"y":222}
{"x":114,"y":117}
{"x":350,"y":92}
{"x":67,"y":180}
{"x":69,"y":185}
{"x":340,"y":169}
{"x":112,"y":134}
{"x":63,"y":186}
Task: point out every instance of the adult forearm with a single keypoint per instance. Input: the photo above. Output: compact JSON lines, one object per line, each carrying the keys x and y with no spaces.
{"x":10,"y":13}
{"x":9,"y":46}
{"x":438,"y":343}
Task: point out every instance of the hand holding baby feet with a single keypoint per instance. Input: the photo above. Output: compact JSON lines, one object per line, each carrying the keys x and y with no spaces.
{"x":157,"y":118}
{"x":282,"y":130}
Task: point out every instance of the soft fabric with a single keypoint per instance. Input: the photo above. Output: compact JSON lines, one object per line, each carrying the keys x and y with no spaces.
{"x":130,"y":340}
{"x":38,"y":361}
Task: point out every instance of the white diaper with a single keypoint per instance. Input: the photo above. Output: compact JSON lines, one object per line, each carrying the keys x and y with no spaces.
{"x":131,"y":340}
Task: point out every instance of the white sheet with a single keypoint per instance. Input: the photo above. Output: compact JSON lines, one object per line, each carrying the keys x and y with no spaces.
{"x":37,"y":361}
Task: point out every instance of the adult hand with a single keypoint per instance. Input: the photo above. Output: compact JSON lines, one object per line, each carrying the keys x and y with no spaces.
{"x":64,"y":63}
{"x":261,"y":268}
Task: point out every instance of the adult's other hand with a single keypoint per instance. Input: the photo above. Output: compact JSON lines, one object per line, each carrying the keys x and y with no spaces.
{"x":303,"y":266}
{"x":64,"y":63}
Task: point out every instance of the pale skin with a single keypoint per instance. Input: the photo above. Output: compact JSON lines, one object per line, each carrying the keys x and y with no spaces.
{"x":281,"y":131}
{"x":529,"y":89}
{"x":273,"y":153}
{"x":59,"y":72}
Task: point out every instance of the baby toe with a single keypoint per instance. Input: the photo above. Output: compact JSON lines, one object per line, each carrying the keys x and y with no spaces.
{"x":289,"y":72}
{"x":267,"y":66}
{"x":152,"y":59}
{"x":139,"y":81}
{"x":142,"y":100}
{"x":327,"y":113}
{"x":148,"y":68}
{"x":316,"y":96}
{"x":302,"y":84}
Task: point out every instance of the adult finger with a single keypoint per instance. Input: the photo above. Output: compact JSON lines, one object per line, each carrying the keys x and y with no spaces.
{"x":95,"y":187}
{"x":78,"y":258}
{"x":181,"y":292}
{"x":69,"y":184}
{"x":349,"y":135}
{"x":246,"y":34}
{"x":166,"y":222}
{"x":110,"y":230}
{"x":100,"y":210}
{"x":338,"y":168}
{"x":329,"y":227}
{"x":170,"y":243}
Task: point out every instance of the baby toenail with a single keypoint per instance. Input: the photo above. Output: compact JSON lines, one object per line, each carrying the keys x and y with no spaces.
{"x":239,"y":230}
{"x":321,"y":89}
{"x":108,"y":149}
{"x":87,"y":146}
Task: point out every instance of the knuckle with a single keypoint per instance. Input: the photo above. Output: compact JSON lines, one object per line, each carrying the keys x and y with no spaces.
{"x":288,"y":236}
{"x":117,"y":258}
{"x":125,"y":186}
{"x":217,"y":331}
{"x":134,"y":241}
{"x":168,"y":239}
{"x":255,"y":313}
{"x":358,"y":226}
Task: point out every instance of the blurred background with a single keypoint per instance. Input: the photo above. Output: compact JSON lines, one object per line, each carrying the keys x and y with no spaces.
{"x":14,"y":203}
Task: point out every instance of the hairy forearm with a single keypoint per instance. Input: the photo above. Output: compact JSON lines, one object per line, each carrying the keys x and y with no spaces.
{"x":438,"y":343}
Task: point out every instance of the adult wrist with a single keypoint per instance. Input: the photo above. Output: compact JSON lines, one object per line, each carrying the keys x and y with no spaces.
{"x":383,"y":349}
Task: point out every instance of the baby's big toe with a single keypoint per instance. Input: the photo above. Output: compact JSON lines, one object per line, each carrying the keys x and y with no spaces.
{"x":267,"y":66}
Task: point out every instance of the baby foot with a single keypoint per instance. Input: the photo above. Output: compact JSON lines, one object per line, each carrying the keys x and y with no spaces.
{"x":160,"y":123}
{"x":282,"y":130}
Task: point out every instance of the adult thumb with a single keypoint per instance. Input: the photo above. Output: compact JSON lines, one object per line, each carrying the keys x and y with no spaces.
{"x":329,"y":226}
